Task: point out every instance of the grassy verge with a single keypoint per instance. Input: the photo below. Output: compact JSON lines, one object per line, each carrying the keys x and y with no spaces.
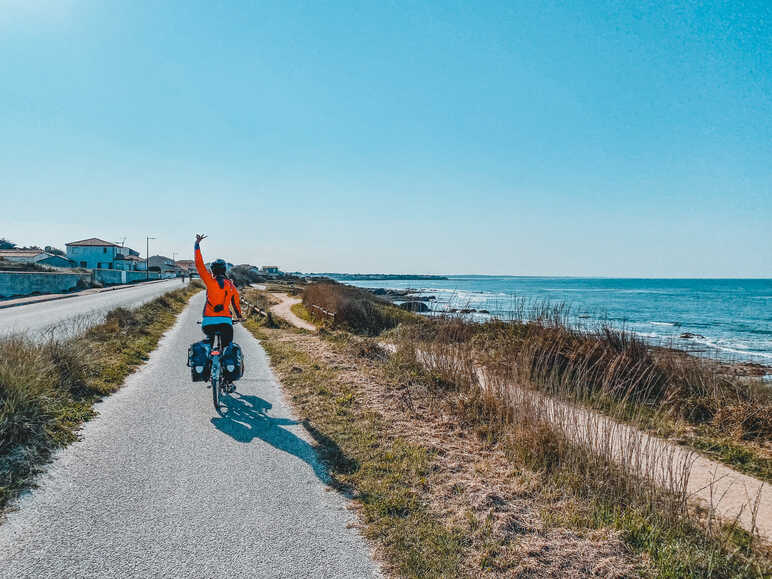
{"x":385,"y":474}
{"x":48,"y":389}
{"x":300,"y":311}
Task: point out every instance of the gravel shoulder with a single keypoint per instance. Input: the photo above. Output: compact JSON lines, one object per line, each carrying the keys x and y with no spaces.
{"x":160,"y":485}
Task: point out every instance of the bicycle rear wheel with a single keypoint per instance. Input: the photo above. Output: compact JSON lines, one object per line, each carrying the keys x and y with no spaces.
{"x":216,"y":380}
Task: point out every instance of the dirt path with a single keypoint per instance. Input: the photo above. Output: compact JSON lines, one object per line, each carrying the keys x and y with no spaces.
{"x":729,"y":494}
{"x":283,"y":310}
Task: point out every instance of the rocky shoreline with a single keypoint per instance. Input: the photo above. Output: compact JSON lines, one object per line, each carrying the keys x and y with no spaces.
{"x":410,"y":299}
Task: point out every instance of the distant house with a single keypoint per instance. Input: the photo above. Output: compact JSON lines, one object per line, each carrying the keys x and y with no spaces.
{"x":95,"y":253}
{"x":129,"y":262}
{"x":186,"y":265}
{"x":162,"y":263}
{"x":270,"y":270}
{"x":35,"y":256}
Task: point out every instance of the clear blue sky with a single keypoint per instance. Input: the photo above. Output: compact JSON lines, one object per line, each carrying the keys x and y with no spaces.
{"x":479,"y":137}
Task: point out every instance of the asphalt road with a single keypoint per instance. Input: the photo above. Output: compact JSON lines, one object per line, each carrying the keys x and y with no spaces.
{"x":161,"y":486}
{"x":76,"y":313}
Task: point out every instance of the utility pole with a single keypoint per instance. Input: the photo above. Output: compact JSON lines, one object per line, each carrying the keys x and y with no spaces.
{"x":147,"y":256}
{"x":174,"y":261}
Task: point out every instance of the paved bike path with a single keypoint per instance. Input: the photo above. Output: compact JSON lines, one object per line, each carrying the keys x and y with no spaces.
{"x":160,"y":486}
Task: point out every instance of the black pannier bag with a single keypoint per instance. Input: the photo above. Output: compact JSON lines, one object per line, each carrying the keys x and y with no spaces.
{"x":233,"y":362}
{"x":198,"y":361}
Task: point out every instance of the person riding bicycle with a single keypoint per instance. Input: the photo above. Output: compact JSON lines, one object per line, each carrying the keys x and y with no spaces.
{"x":221,"y":294}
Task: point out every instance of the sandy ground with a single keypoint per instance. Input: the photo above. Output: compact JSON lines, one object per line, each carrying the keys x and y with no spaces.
{"x":282,"y":309}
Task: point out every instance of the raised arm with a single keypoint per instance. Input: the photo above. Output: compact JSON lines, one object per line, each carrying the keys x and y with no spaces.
{"x":206,"y":276}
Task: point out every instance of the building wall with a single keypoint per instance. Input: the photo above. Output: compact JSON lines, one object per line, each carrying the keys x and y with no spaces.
{"x":92,"y":257}
{"x":132,"y":276}
{"x":22,"y":283}
{"x":110,"y":276}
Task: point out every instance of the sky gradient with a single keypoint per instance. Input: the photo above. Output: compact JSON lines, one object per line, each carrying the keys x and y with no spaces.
{"x":521,"y":138}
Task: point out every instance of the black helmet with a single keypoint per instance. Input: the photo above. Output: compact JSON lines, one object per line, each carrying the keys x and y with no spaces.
{"x":218,"y":267}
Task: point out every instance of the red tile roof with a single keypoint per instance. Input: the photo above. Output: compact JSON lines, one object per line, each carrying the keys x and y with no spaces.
{"x":93,"y":242}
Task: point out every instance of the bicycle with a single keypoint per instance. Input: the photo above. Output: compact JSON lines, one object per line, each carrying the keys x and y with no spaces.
{"x":219,"y":385}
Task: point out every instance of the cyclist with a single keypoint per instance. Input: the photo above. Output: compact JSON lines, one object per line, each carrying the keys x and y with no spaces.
{"x":221,"y":294}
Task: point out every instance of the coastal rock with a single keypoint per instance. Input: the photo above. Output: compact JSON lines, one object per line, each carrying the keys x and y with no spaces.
{"x":414,"y":306}
{"x":689,"y":336}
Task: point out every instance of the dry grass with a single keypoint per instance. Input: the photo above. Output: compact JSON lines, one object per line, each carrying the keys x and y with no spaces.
{"x":626,"y":480}
{"x":48,"y":388}
{"x":667,"y":392}
{"x":436,"y":497}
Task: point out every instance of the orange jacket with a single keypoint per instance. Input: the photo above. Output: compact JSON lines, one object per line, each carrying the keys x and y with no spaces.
{"x":216,"y":295}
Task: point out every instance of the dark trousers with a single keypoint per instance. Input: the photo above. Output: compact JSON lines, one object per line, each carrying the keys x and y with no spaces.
{"x":226,"y":333}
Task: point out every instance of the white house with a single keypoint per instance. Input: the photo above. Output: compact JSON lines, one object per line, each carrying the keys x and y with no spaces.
{"x":35,"y":256}
{"x":94,"y":253}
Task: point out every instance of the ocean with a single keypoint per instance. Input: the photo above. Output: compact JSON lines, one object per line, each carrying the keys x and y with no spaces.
{"x":730,"y":319}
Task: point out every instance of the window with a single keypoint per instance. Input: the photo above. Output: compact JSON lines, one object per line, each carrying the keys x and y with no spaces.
{"x":83,"y":264}
{"x":99,"y":265}
{"x":104,"y":250}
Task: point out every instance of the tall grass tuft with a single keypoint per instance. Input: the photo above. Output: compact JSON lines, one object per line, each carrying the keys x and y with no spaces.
{"x":607,"y":369}
{"x":352,"y":308}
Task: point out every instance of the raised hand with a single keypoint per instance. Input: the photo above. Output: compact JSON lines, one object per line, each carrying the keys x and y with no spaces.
{"x":199,"y":237}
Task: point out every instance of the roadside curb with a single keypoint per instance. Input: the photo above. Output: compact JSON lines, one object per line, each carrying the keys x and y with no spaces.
{"x":74,"y":295}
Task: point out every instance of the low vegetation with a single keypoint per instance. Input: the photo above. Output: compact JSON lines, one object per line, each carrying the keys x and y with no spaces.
{"x":48,"y":388}
{"x":354,"y":309}
{"x":667,"y":392}
{"x":6,"y":265}
{"x":300,"y":311}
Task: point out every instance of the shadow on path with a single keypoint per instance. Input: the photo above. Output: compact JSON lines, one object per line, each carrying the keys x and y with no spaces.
{"x":245,"y":419}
